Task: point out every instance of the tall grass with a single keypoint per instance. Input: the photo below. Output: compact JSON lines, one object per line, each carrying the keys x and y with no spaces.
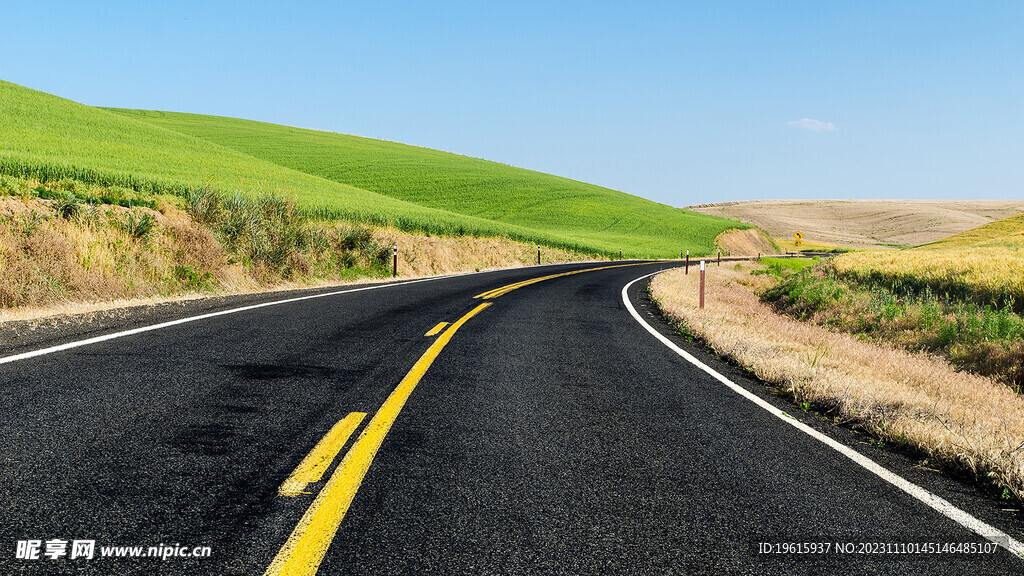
{"x":982,"y":338}
{"x":981,"y":265}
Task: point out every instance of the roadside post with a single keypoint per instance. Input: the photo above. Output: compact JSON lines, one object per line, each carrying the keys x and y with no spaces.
{"x":620,"y":252}
{"x":719,"y":256}
{"x":701,"y":284}
{"x":538,"y":254}
{"x":395,"y":265}
{"x":687,"y":262}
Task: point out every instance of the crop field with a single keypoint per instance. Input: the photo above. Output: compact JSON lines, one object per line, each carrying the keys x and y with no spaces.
{"x":594,"y":216}
{"x":413,"y":189}
{"x":49,"y":138}
{"x":981,"y":265}
{"x":864,"y":223}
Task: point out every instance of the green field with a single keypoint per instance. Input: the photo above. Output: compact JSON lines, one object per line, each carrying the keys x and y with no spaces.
{"x":336,"y":176}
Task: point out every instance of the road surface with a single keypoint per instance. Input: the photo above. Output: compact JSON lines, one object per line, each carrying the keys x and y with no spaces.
{"x":541,"y":430}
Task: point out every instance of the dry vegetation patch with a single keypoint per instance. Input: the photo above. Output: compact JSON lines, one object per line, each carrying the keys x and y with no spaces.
{"x":60,"y":245}
{"x":959,"y":420}
{"x":749,"y":242}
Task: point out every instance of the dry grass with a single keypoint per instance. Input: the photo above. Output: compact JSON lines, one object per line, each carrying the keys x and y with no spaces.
{"x":51,"y":265}
{"x":864,"y":223}
{"x":431,"y":255}
{"x":981,"y":265}
{"x":45,"y":259}
{"x":985,"y":275}
{"x":958,"y":420}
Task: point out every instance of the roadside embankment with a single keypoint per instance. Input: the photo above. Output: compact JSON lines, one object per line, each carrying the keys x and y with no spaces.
{"x":957,"y":420}
{"x":68,"y":247}
{"x":748,"y":242}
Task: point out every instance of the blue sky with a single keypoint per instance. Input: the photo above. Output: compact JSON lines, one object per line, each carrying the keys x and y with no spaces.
{"x":680,"y":102}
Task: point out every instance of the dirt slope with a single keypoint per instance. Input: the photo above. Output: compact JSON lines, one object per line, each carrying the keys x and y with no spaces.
{"x":750,"y":242}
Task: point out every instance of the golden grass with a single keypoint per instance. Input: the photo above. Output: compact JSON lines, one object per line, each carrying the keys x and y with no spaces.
{"x":959,"y":420}
{"x":990,"y":274}
{"x":982,"y":264}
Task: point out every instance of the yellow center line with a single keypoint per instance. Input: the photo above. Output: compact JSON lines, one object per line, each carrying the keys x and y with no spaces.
{"x":436,"y":329}
{"x":510,"y":287}
{"x":305,"y":548}
{"x":313,"y":466}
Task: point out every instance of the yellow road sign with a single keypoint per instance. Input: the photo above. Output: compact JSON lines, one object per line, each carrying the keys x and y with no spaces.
{"x":798,"y":235}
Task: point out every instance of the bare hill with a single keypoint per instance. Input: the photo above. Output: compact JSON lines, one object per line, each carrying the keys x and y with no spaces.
{"x":865,"y":223}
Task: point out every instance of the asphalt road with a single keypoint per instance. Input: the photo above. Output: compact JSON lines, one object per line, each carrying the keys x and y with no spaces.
{"x":552,"y":434}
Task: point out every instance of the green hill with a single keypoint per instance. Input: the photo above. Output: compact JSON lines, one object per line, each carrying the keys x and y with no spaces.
{"x":336,"y":175}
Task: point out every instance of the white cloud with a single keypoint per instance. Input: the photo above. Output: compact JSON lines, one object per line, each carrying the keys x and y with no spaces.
{"x":813,"y":125}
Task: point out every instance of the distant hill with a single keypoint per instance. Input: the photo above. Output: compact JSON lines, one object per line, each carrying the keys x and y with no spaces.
{"x":865,"y":223}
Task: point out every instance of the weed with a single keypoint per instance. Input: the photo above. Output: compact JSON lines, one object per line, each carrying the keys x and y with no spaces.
{"x":66,"y":205}
{"x":137,"y":224}
{"x":204,"y":205}
{"x":30,"y":222}
{"x":191,"y":279}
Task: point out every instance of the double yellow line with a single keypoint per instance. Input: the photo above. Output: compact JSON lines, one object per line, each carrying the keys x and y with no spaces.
{"x":510,"y":287}
{"x":305,"y":548}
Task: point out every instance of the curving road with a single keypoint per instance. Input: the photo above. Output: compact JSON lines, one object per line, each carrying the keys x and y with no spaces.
{"x":542,"y":430}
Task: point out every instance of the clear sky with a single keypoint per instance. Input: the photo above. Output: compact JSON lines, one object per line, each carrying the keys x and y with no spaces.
{"x":680,"y":102}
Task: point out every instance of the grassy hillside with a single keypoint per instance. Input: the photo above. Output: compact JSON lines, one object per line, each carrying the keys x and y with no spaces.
{"x":50,"y":138}
{"x":962,"y":298}
{"x":338,"y":177}
{"x":980,"y":265}
{"x":592,"y":215}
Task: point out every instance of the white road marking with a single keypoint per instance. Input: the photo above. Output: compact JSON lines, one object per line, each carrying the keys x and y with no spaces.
{"x":140,"y":330}
{"x":930,"y":499}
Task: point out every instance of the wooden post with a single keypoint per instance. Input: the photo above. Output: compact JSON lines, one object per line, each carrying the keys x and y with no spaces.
{"x":687,"y":262}
{"x":701,"y":284}
{"x":719,"y":257}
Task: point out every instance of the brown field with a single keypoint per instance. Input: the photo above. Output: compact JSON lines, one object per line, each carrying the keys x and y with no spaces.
{"x":865,"y":223}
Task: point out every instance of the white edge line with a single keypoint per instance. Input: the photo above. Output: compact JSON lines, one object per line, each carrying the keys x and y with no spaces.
{"x":930,"y":499}
{"x":141,"y":329}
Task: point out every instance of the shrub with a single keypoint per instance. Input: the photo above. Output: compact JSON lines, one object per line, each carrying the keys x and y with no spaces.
{"x":66,"y":205}
{"x":204,"y":205}
{"x":138,"y":224}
